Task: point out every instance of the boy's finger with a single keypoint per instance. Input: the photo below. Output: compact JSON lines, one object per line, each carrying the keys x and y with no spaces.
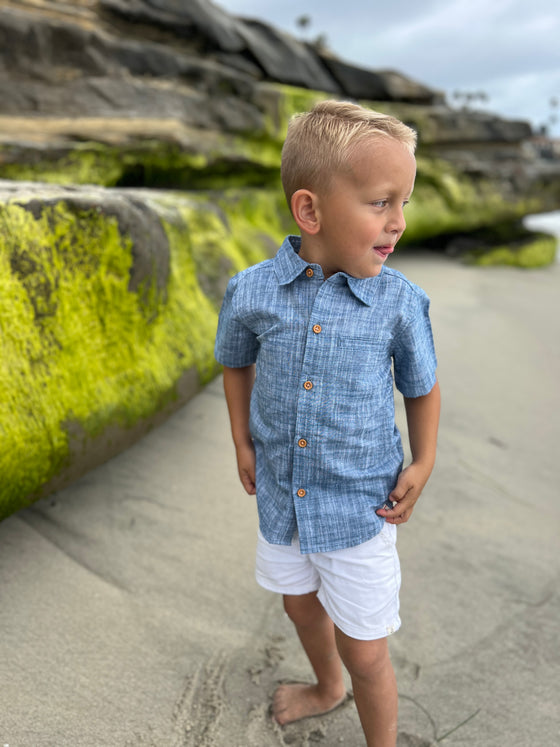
{"x":397,"y":512}
{"x":248,"y":483}
{"x":387,"y":510}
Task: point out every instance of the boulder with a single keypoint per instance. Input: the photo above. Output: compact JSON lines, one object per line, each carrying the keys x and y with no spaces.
{"x":387,"y":85}
{"x":108,"y":313}
{"x":286,"y":60}
{"x":66,"y":67}
{"x":198,"y":20}
{"x":163,"y":56}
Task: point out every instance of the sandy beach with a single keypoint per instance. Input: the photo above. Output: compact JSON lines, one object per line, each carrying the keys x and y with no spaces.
{"x":129,"y":614}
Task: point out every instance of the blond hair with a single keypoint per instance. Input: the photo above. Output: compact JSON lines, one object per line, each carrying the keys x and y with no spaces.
{"x":320,"y":143}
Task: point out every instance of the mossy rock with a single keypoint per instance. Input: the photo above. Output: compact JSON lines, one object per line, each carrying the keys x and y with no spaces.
{"x":171,"y":155}
{"x":445,"y":202}
{"x":95,"y":352}
{"x":159,"y":164}
{"x":539,"y":250}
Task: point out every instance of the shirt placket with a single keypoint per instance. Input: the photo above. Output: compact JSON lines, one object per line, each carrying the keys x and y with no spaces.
{"x":304,"y":485}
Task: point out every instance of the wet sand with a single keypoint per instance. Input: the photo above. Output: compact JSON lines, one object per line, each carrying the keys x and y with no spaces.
{"x":128,"y":610}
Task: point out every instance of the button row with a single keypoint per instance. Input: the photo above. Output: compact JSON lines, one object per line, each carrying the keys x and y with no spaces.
{"x":308,"y":385}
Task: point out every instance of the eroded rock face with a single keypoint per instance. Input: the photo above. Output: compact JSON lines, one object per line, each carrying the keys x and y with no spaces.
{"x":173,"y":94}
{"x":135,"y":75}
{"x":102,"y":58}
{"x":108,"y":313}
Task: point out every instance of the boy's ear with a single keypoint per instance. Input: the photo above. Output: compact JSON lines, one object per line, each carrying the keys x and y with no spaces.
{"x":304,"y":210}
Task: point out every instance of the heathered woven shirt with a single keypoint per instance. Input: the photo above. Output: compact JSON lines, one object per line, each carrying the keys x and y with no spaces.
{"x":322,"y":407}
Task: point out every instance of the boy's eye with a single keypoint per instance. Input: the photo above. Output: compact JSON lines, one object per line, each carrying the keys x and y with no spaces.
{"x":384,"y":203}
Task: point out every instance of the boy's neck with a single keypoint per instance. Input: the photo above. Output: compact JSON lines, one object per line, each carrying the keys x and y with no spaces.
{"x":313,"y":252}
{"x":310,"y":251}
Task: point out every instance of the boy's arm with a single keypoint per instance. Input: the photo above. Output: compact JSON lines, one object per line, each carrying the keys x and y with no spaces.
{"x":238,"y":384}
{"x":422,"y":415}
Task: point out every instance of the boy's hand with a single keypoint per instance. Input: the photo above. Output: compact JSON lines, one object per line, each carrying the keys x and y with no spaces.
{"x":409,"y":486}
{"x":246,"y":467}
{"x":422,"y":414}
{"x":238,"y":384}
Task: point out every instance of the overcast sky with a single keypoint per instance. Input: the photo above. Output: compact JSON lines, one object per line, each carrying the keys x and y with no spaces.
{"x":508,"y":49}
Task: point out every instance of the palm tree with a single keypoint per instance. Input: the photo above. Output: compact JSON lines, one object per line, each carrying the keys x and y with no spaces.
{"x":303,"y":22}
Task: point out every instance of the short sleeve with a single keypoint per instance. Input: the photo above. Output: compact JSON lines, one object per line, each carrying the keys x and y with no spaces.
{"x":236,"y":345}
{"x":414,"y":354}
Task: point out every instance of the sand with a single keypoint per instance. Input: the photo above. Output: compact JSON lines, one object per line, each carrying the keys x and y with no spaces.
{"x":128,"y":610}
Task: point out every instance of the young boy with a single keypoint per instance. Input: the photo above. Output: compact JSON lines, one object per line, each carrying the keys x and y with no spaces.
{"x":308,"y":341}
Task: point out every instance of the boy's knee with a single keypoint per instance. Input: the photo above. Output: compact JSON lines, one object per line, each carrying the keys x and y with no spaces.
{"x":303,"y":609}
{"x":363,"y":659}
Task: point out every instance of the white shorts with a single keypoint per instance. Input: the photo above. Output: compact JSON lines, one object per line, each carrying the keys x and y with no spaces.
{"x":358,"y":586}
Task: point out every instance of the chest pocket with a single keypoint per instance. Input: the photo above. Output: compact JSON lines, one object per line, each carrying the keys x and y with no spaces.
{"x":363,"y":363}
{"x":280,"y":345}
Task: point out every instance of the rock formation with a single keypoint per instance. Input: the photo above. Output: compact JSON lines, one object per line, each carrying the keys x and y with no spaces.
{"x":111,"y":277}
{"x":163,"y":93}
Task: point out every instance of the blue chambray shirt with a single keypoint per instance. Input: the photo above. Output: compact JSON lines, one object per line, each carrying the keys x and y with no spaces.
{"x":322,"y":407}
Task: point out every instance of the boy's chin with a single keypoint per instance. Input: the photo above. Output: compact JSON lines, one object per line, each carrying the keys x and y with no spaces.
{"x":369,"y":273}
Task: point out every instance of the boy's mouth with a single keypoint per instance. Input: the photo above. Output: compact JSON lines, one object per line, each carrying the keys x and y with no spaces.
{"x":384,"y":251}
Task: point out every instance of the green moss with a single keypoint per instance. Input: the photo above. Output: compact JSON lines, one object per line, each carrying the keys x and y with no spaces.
{"x":445,"y":202}
{"x":230,"y":161}
{"x":258,"y":221}
{"x":222,"y":160}
{"x":227,"y":231}
{"x":279,"y":103}
{"x":86,"y":163}
{"x":78,"y":345}
{"x":539,"y":251}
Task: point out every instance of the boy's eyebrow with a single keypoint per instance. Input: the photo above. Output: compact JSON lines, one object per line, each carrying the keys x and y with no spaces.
{"x":388,"y":192}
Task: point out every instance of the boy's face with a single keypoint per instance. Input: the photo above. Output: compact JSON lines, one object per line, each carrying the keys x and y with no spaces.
{"x":361,"y":216}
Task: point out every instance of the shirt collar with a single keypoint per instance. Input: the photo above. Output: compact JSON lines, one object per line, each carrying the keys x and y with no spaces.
{"x":364,"y":288}
{"x":288,"y":265}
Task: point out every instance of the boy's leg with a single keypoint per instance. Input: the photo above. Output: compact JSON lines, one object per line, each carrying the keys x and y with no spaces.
{"x":374,"y":685}
{"x":317,"y":635}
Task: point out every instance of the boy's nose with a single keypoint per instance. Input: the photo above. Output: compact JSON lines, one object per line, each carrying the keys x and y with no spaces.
{"x":396,"y":221}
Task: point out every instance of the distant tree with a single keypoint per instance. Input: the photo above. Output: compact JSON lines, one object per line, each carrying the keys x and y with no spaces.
{"x":553,"y":117}
{"x":303,"y":22}
{"x":321,"y":43}
{"x":469,"y":97}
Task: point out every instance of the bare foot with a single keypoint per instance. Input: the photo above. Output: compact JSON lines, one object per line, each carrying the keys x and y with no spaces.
{"x":295,"y":701}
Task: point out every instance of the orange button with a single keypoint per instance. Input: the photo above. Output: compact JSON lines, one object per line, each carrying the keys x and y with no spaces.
{"x":309,"y":272}
{"x":317,"y":328}
{"x":308,"y":385}
{"x":302,"y":443}
{"x":301,"y":493}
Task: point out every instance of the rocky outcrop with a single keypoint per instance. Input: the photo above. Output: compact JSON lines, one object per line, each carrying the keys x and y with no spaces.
{"x":164,"y":93}
{"x":98,"y":59}
{"x":111,"y":281}
{"x":108,"y":313}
